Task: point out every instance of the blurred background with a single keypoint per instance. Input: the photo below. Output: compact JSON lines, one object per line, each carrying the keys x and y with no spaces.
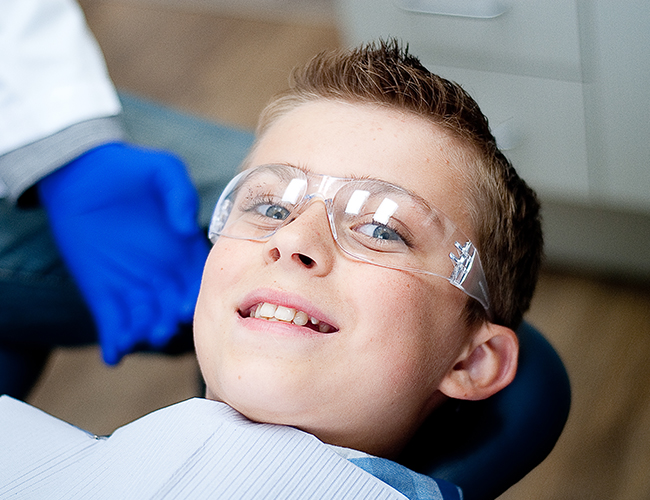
{"x":563,"y":86}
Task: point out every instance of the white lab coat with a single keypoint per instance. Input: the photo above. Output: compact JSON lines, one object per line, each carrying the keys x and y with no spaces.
{"x":52,"y":72}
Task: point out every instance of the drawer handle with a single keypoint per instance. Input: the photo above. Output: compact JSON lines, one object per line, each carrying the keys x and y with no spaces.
{"x":477,"y":9}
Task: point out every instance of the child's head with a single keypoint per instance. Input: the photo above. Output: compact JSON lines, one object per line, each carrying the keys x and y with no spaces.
{"x":360,"y":354}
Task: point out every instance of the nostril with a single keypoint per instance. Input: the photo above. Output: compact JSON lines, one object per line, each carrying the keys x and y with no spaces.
{"x":275,"y":254}
{"x":307,"y":261}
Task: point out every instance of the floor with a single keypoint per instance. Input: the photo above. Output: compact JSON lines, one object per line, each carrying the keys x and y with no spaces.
{"x":224,"y":65}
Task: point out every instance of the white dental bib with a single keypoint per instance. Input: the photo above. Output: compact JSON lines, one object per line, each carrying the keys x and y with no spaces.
{"x":196,"y":449}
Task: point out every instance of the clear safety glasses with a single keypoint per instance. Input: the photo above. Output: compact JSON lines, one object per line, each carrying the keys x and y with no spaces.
{"x":371,"y":220}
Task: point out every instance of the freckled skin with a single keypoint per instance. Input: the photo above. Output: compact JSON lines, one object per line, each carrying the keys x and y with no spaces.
{"x":369,"y":385}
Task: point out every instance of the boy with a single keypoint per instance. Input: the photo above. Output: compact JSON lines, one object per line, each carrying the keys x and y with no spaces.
{"x":330,"y":315}
{"x":344,"y":295}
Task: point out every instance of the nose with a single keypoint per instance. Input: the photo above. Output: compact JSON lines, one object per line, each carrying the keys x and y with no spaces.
{"x":305,"y":243}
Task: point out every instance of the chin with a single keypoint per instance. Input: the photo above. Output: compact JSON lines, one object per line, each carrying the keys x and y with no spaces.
{"x":267,"y":405}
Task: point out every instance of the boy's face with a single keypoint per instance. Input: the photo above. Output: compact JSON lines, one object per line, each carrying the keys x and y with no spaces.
{"x":371,"y":381}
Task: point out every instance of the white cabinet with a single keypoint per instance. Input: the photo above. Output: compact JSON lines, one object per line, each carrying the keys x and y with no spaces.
{"x":564,"y":83}
{"x":525,"y":38}
{"x":615,"y":54}
{"x":539,"y":124}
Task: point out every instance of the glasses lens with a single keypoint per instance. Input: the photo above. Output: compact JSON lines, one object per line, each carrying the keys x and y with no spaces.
{"x":386,"y":225}
{"x":383,"y":224}
{"x":257,"y":202}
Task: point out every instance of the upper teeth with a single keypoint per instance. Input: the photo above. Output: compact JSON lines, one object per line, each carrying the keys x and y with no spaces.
{"x":270,"y":311}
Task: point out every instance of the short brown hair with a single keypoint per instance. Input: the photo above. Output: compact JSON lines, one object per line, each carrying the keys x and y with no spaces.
{"x":505,"y":211}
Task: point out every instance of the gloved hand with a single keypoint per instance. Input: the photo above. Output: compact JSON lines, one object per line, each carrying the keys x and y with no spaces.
{"x":124,"y":219}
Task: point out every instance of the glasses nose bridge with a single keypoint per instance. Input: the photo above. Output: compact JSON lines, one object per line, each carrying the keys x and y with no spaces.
{"x":319,"y":191}
{"x":323,"y":190}
{"x":311,"y":198}
{"x":320,"y":186}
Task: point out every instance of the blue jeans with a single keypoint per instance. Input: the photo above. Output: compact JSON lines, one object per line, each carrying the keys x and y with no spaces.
{"x":40,"y":306}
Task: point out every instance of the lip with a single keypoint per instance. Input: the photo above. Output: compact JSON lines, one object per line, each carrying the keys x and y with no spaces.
{"x":287,"y":300}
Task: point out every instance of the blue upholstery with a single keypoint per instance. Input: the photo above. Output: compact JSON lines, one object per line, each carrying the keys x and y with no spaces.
{"x":487,"y":446}
{"x":482,"y":446}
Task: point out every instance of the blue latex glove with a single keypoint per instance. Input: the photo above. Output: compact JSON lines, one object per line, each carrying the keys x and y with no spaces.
{"x":124,"y":219}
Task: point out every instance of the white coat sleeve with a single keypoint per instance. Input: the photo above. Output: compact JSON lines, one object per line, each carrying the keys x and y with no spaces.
{"x":53,"y":81}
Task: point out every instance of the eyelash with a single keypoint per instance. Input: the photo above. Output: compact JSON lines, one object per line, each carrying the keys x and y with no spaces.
{"x":406,"y":240}
{"x":260,"y":200}
{"x":251,"y":207}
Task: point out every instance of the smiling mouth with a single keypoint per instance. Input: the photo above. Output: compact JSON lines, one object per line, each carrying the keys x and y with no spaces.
{"x":272,"y":312}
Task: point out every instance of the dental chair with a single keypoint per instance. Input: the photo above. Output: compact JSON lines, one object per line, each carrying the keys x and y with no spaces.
{"x":487,"y":446}
{"x":482,"y":446}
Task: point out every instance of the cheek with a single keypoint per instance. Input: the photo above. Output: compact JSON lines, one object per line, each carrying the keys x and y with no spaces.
{"x":212,"y":308}
{"x":223,"y":253}
{"x":419,"y":328}
{"x":224,"y":268}
{"x":209,"y":294}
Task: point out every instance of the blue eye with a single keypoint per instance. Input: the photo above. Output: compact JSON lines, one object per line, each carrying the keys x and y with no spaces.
{"x":276,"y":212}
{"x":379,"y":232}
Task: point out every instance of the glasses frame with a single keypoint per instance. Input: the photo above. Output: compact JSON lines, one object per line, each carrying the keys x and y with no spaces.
{"x":467,"y":273}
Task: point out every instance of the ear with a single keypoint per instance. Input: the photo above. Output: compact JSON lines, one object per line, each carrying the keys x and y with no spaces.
{"x":487,"y":365}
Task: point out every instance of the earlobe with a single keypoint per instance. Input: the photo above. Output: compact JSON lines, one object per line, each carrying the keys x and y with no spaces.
{"x":487,"y":365}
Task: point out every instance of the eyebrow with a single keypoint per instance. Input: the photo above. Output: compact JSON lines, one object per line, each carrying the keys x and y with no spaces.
{"x":364,"y":177}
{"x":357,"y":177}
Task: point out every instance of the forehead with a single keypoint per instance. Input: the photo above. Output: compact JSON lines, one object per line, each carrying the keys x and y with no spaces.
{"x":362,"y":140}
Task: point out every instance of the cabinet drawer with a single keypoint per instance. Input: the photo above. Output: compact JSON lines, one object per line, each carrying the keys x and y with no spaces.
{"x":539,"y":124}
{"x":530,"y":38}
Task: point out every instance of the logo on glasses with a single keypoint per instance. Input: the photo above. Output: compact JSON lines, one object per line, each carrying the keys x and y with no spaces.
{"x":462,"y":262}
